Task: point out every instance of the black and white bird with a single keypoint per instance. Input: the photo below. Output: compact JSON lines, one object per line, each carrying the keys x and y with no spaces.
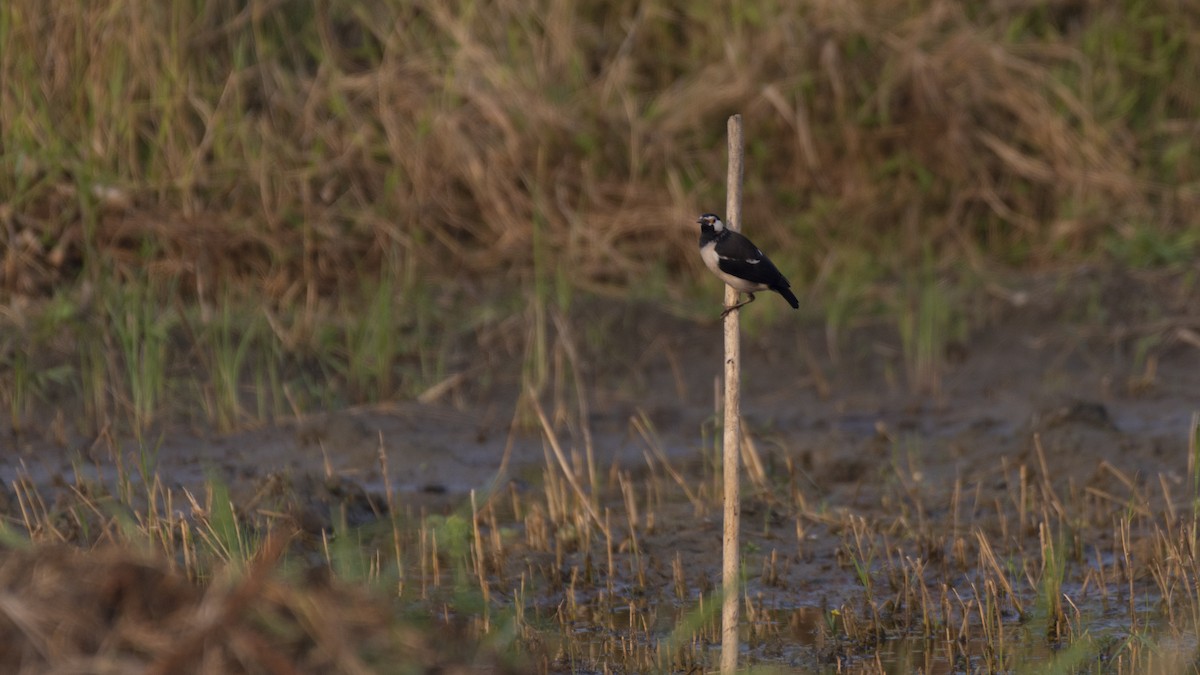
{"x":738,"y":262}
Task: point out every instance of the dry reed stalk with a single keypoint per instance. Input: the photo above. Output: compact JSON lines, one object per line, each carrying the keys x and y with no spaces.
{"x":641,"y":424}
{"x":584,"y":498}
{"x":988,"y":560}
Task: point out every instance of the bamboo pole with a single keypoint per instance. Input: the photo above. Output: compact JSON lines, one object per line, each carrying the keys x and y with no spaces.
{"x":730,"y":567}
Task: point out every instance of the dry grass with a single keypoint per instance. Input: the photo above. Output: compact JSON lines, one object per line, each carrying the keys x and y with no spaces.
{"x":112,"y":610}
{"x":282,"y":143}
{"x":1024,"y":564}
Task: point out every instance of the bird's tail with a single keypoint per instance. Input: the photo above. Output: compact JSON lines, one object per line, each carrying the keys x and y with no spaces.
{"x":789,"y":296}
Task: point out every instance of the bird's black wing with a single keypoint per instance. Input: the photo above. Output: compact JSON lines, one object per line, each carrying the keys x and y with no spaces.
{"x":738,"y":256}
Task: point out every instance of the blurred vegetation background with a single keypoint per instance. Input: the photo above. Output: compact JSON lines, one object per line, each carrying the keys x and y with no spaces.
{"x":222,"y":213}
{"x":290,"y":142}
{"x":299,"y":157}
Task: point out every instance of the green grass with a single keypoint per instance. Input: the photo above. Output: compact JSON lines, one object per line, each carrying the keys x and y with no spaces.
{"x":139,"y":332}
{"x":229,"y":341}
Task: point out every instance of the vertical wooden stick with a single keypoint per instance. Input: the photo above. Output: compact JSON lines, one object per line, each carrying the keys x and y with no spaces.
{"x":732,"y":424}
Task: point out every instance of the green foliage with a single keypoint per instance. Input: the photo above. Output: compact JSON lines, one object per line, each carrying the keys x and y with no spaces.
{"x":140,"y":331}
{"x":224,"y":535}
{"x":372,"y":343}
{"x":1148,"y":247}
{"x":229,"y":341}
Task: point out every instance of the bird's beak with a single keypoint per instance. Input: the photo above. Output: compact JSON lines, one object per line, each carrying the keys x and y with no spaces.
{"x":700,"y":220}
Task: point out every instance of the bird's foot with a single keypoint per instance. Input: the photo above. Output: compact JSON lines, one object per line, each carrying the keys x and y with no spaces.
{"x":737,"y":306}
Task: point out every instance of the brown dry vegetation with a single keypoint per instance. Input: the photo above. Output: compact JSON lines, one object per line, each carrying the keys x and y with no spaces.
{"x":112,"y":610}
{"x":283,"y":143}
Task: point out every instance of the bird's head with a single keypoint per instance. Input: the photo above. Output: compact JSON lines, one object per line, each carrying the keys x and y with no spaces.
{"x":711,"y":222}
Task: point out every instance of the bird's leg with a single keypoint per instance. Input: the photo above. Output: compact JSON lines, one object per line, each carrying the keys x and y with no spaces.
{"x":740,"y":304}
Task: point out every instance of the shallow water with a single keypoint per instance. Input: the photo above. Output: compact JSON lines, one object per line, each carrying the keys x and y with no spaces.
{"x":925,"y":471}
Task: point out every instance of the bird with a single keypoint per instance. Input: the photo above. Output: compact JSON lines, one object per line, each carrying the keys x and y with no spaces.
{"x":738,"y":262}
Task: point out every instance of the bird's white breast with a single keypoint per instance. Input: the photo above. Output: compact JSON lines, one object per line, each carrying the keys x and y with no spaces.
{"x":708,"y":253}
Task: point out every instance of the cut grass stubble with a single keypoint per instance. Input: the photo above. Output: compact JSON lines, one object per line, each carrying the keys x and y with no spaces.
{"x":1004,"y":583}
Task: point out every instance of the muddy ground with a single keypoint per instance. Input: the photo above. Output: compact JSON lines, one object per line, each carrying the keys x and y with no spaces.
{"x":1101,"y":368}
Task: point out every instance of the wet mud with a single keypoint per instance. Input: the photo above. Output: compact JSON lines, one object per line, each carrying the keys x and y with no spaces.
{"x":1085,"y":384}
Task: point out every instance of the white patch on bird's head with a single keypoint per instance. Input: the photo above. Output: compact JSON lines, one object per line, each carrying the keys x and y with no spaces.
{"x":711,"y":220}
